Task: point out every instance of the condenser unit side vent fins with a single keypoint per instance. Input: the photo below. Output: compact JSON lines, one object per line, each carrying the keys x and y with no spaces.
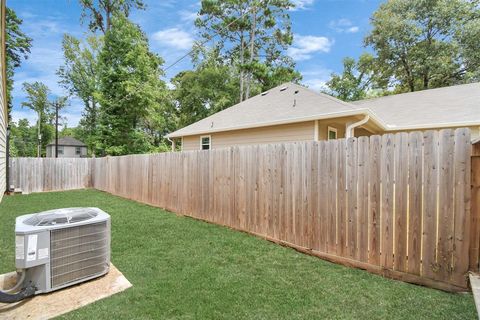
{"x":78,"y":253}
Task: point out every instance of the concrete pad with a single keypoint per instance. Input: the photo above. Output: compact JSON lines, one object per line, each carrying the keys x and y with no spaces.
{"x":47,"y":306}
{"x":475,"y":283}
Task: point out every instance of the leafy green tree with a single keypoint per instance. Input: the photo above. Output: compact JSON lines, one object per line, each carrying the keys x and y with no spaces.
{"x":270,"y":76}
{"x":80,"y":76}
{"x":18,"y":46}
{"x":212,"y":86}
{"x":99,"y":13}
{"x":252,"y":35}
{"x":23,"y":139}
{"x":130,"y":91}
{"x":37,"y":101}
{"x":426,"y":44}
{"x":357,"y":79}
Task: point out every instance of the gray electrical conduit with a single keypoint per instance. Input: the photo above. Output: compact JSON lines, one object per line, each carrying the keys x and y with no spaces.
{"x":28,"y":291}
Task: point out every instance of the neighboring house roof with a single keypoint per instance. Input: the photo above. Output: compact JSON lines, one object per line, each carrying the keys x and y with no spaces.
{"x":68,"y":141}
{"x":443,"y":107}
{"x":289,"y":103}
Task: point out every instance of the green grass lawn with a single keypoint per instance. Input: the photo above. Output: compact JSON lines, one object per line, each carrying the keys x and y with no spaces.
{"x":187,"y":269}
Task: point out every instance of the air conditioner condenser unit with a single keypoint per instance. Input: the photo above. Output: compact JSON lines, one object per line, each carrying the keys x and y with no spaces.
{"x":59,"y":248}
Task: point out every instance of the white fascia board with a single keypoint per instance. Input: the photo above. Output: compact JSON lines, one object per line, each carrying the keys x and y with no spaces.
{"x":287,"y":121}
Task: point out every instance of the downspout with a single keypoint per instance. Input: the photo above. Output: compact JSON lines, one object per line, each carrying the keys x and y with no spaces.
{"x":173,"y":143}
{"x":349,"y":132}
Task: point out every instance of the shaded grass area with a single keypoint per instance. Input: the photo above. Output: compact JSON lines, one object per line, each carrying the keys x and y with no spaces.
{"x":181,"y":268}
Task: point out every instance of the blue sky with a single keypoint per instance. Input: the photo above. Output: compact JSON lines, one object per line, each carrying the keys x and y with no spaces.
{"x":325,"y":32}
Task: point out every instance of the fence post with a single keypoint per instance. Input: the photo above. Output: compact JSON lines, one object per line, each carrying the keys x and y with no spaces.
{"x":475,"y":209}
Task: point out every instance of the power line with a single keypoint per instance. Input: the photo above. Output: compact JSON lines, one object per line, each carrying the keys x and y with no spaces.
{"x":209,"y":38}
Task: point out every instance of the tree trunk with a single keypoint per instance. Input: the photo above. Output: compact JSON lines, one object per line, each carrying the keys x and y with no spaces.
{"x":252,"y":51}
{"x":410,"y":80}
{"x":242,"y":61}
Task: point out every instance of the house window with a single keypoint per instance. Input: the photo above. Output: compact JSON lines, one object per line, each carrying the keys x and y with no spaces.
{"x":205,"y":143}
{"x":78,"y":151}
{"x":60,"y":150}
{"x":332,"y":133}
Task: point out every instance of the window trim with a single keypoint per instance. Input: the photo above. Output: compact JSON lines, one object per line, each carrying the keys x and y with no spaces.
{"x":209,"y":142}
{"x":332,"y":129}
{"x":78,"y":151}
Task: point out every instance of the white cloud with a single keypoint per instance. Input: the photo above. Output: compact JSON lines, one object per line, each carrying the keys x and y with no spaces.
{"x":24,"y":114}
{"x":188,"y":16}
{"x":301,"y":4}
{"x":343,"y":26}
{"x":174,"y":37}
{"x":316,"y":84}
{"x":316,"y":78}
{"x":305,"y":46}
{"x":353,"y":29}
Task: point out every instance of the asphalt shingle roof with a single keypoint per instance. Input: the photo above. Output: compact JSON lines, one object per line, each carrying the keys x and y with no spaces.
{"x":288,"y":103}
{"x":68,"y":141}
{"x":438,"y":107}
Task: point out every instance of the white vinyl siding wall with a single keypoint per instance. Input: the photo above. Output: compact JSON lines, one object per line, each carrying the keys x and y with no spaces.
{"x":3,"y":105}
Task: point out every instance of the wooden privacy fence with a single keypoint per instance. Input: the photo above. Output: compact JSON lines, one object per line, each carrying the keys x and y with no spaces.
{"x":49,"y":174}
{"x":397,"y":205}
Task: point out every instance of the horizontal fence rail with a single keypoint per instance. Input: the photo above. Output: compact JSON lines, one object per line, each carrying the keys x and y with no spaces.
{"x":397,"y":204}
{"x":49,"y":174}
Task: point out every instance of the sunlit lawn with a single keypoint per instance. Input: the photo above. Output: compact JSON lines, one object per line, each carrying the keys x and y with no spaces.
{"x":183,"y":268}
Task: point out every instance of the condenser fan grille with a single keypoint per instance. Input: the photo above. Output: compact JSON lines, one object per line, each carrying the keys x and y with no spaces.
{"x":78,"y":253}
{"x":61,"y":216}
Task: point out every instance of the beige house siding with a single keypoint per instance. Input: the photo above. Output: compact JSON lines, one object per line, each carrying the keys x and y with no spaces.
{"x":3,"y":105}
{"x":301,"y":131}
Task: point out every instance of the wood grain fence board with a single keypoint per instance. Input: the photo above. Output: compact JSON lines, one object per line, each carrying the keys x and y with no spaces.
{"x":288,"y":192}
{"x":352,"y":212}
{"x":429,"y":239}
{"x":387,"y":203}
{"x":342,"y":227}
{"x":322,"y":199}
{"x":362,"y":198}
{"x":314,"y":225}
{"x":308,"y":197}
{"x":462,"y":165}
{"x":374,"y":213}
{"x":277,"y":186}
{"x":332,"y":163}
{"x":445,"y":204}
{"x":282,"y":190}
{"x":401,"y":202}
{"x":415,"y":154}
{"x":298,"y":199}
